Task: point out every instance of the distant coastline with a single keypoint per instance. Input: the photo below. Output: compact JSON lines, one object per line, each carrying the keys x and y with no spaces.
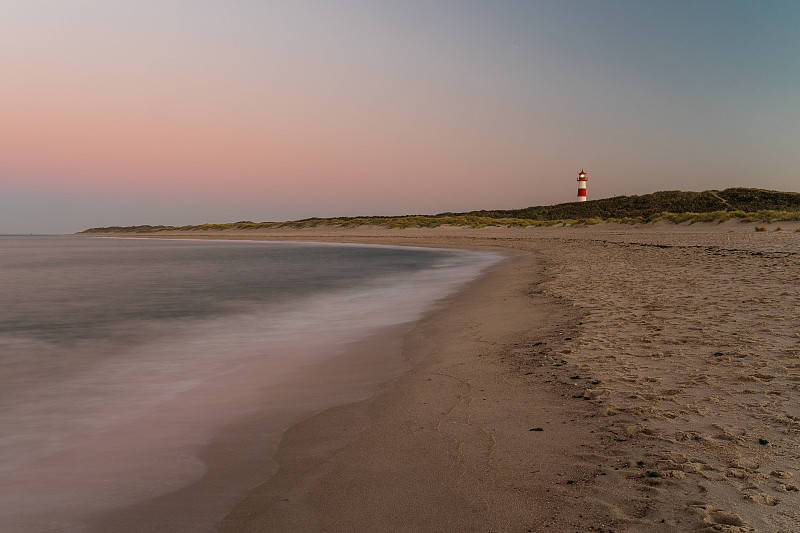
{"x":743,"y":204}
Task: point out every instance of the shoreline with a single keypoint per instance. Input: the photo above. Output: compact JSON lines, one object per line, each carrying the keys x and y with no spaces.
{"x":241,"y":455}
{"x":667,"y":376}
{"x":422,"y":461}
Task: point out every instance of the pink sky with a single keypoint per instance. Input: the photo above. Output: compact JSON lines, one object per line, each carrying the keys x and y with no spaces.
{"x":184,"y":112}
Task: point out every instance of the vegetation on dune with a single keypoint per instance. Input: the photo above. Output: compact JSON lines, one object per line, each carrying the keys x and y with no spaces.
{"x":649,"y":206}
{"x":746,"y":205}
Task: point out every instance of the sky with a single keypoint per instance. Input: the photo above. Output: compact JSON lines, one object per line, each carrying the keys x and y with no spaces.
{"x":182,"y":112}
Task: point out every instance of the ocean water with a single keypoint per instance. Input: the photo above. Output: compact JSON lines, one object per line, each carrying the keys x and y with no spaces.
{"x":122,"y":359}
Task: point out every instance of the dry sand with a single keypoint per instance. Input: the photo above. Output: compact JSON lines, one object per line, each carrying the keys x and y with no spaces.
{"x":605,"y":378}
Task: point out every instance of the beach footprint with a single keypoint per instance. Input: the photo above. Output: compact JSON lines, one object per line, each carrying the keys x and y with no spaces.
{"x":714,"y":520}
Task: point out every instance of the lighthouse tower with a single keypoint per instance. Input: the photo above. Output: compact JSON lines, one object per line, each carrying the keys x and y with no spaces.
{"x":582,"y":186}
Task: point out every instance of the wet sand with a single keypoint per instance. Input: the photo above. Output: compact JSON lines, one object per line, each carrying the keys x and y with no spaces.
{"x":606,"y":378}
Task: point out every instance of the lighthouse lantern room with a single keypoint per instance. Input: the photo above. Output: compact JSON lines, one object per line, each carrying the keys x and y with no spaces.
{"x":582,"y":186}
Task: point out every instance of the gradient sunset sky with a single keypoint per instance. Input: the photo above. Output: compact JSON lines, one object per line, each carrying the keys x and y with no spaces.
{"x":123,"y":112}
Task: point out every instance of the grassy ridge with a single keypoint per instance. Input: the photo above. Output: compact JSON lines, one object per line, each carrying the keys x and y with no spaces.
{"x":747,"y":205}
{"x":648,"y":206}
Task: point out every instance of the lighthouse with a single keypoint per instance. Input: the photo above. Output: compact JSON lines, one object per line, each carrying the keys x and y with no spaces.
{"x":582,"y":186}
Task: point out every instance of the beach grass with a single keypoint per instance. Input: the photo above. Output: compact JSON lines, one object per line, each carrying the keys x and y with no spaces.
{"x":471,"y":221}
{"x":679,"y":207}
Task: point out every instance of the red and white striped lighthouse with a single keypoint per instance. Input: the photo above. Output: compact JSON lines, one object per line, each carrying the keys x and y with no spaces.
{"x":582,"y":186}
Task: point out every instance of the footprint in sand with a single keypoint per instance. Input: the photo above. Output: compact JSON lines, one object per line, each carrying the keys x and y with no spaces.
{"x":763,"y":498}
{"x":719,"y":520}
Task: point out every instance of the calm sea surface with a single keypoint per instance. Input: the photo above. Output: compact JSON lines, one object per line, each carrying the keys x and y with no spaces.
{"x":120,"y":358}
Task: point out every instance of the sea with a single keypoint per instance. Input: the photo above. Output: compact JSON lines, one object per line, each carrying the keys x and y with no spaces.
{"x":125,"y":362}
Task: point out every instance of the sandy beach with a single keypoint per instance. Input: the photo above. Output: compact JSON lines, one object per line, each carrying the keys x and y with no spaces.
{"x":603,"y":378}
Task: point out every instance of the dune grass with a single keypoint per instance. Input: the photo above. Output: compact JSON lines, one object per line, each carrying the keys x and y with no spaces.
{"x":472,"y":221}
{"x":746,"y":205}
